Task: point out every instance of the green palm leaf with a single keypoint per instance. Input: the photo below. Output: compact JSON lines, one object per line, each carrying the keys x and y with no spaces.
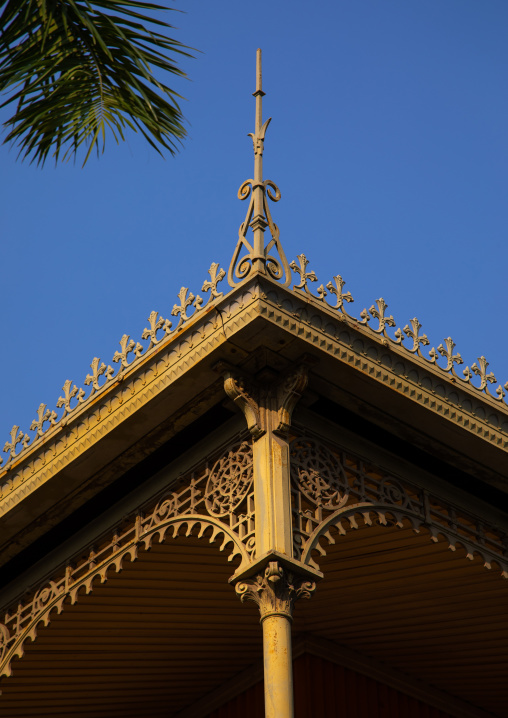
{"x":75,"y":69}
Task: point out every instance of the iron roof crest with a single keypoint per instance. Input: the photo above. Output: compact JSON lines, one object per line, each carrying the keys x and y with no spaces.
{"x":248,"y":259}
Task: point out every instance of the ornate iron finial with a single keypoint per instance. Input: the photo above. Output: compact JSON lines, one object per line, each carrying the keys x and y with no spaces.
{"x":258,"y":257}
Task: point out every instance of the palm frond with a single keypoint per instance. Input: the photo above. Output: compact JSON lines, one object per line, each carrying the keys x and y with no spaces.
{"x":76,"y":68}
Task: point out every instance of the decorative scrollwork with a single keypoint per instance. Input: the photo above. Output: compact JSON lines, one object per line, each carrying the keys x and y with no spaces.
{"x":43,"y":415}
{"x":127,"y":346}
{"x":97,"y":371}
{"x":275,"y":590}
{"x":447,"y":352}
{"x":216,"y":276}
{"x":378,"y":312}
{"x":230,"y":481}
{"x":156,"y":324}
{"x":186,"y":300}
{"x":392,"y":492}
{"x":44,"y":596}
{"x":413,"y":333}
{"x":184,"y":510}
{"x":258,"y":257}
{"x":375,"y":496}
{"x":335,"y":287}
{"x":305,"y":276}
{"x":17,"y":437}
{"x":318,"y":474}
{"x":4,"y":640}
{"x":240,"y":267}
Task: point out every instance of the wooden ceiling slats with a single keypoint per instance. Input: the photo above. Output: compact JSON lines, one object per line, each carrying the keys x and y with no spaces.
{"x":452,"y":625}
{"x":405,"y":585}
{"x":178,"y":633}
{"x":463,"y":590}
{"x":394,"y":568}
{"x":148,"y":633}
{"x":359,"y":576}
{"x":434,"y":600}
{"x":409,"y":612}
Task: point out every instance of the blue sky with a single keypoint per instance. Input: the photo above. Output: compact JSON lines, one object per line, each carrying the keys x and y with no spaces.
{"x":388,"y":141}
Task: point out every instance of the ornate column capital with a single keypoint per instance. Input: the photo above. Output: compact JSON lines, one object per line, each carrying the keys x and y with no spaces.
{"x":275,"y":590}
{"x":246,"y":396}
{"x":266,"y":407}
{"x":267,"y":403}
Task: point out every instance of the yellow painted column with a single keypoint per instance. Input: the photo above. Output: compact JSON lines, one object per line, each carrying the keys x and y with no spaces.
{"x":272,"y":494}
{"x":278,"y":666}
{"x":275,"y":591}
{"x":275,"y":580}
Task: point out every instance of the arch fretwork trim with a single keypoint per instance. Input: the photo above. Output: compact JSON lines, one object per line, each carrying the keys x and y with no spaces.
{"x":216,"y":503}
{"x":331,"y":488}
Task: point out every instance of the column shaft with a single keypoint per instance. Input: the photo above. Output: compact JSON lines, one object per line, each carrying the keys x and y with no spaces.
{"x":272,"y":492}
{"x":278,"y":667}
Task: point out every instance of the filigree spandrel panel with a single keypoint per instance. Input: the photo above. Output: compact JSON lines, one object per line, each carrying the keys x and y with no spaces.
{"x":334,"y":490}
{"x":222,"y":494}
{"x":215,"y":502}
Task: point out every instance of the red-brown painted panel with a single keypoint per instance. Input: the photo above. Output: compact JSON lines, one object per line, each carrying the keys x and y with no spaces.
{"x":325,"y":690}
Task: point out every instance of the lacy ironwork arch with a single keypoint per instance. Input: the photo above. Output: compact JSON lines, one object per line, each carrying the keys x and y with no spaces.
{"x":385,"y":515}
{"x":180,"y":512}
{"x":332,"y":488}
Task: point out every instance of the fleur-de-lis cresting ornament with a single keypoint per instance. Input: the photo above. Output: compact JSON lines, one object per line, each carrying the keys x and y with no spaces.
{"x":97,"y":371}
{"x":378,"y":312}
{"x":185,"y":302}
{"x":43,"y":415}
{"x":447,"y":352}
{"x":16,"y":438}
{"x":127,"y":346}
{"x":210,"y":285}
{"x":156,"y":323}
{"x":481,"y":371}
{"x":335,"y":286}
{"x":69,"y":394}
{"x":305,"y":276}
{"x":413,"y":333}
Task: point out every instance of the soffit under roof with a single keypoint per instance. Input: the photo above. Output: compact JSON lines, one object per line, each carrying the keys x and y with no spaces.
{"x":168,"y":629}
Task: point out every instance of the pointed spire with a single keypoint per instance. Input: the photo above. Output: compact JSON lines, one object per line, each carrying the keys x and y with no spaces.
{"x":258,"y":217}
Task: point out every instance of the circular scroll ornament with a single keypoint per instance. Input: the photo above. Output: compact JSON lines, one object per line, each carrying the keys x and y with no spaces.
{"x":318,"y":474}
{"x":230,"y":481}
{"x":392,"y":492}
{"x":45,"y":595}
{"x":4,"y":640}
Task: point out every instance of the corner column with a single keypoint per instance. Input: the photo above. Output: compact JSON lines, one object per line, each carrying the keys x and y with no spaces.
{"x":275,"y":591}
{"x":275,"y":580}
